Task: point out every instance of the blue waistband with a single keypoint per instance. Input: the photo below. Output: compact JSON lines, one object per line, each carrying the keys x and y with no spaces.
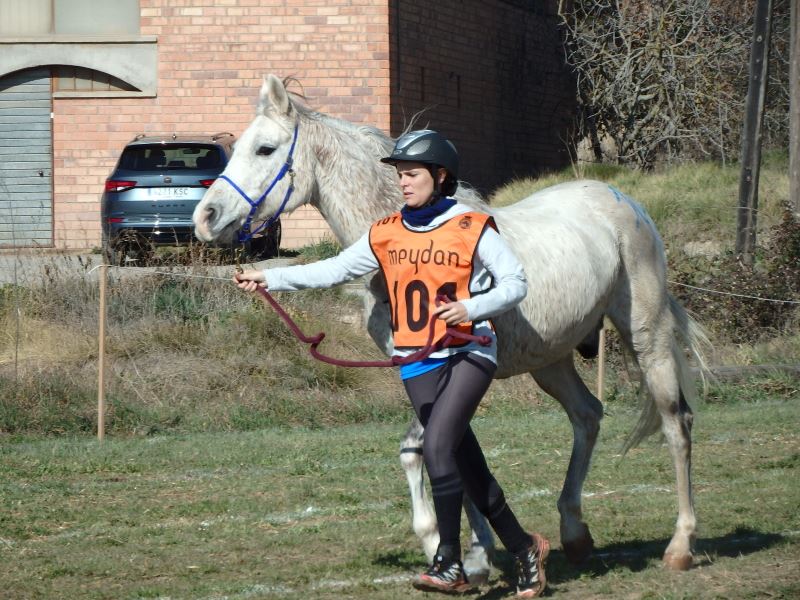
{"x":423,"y":366}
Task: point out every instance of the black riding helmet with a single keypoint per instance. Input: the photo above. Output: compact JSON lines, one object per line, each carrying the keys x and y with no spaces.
{"x":430,"y":148}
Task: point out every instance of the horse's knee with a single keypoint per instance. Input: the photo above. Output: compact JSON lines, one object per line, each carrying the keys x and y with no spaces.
{"x":688,"y":421}
{"x":677,"y":419}
{"x":683,"y":419}
{"x":586,"y":421}
{"x":411,"y":446}
{"x":411,"y":457}
{"x":596,"y":407}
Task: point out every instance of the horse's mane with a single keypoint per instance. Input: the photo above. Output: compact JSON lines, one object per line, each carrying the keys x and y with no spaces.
{"x":372,"y":144}
{"x":371,"y":139}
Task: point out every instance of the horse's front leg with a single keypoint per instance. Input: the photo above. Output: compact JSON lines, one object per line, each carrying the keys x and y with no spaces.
{"x":423,"y":518}
{"x":564,"y":384}
{"x":478,"y":560}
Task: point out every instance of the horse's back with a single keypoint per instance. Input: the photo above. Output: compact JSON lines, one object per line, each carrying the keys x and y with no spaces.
{"x":564,"y":239}
{"x":575,"y":240}
{"x":591,"y":219}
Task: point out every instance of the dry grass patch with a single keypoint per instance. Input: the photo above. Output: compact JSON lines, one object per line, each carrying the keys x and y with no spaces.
{"x":690,"y":202}
{"x":41,"y":342}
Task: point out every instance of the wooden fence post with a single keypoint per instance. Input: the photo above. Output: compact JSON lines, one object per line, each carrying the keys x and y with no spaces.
{"x":751,"y":133}
{"x":101,"y":357}
{"x":794,"y":108}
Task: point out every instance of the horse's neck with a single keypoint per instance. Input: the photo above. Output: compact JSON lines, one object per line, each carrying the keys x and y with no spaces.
{"x":353,"y":188}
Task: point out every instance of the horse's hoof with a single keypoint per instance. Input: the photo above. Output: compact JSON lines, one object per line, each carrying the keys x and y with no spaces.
{"x":677,"y":562}
{"x":578,"y":550}
{"x":478,"y":578}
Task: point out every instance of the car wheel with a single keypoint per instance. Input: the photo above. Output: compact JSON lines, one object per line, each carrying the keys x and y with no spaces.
{"x":269,"y":244}
{"x":128,"y":251}
{"x":113,"y":253}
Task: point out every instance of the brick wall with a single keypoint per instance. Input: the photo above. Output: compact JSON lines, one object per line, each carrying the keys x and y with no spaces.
{"x":212,"y":56}
{"x":490,"y":76}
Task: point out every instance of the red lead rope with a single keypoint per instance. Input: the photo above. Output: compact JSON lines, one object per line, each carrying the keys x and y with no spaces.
{"x":430,"y":346}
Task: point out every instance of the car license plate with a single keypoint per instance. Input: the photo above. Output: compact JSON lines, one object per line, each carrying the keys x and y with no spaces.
{"x":168,"y":192}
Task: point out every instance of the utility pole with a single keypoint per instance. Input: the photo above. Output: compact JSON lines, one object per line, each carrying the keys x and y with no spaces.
{"x":794,"y":109}
{"x":751,"y":136}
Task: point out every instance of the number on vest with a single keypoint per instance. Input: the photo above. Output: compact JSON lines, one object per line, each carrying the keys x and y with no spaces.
{"x":416,"y":297}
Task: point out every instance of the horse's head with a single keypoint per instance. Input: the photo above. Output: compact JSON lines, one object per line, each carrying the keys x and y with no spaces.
{"x":263,"y":176}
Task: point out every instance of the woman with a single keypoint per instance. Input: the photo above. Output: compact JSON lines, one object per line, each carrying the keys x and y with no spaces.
{"x":435,"y":247}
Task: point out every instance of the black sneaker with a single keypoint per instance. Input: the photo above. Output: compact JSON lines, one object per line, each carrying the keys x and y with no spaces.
{"x":531,"y":579}
{"x":443,"y":576}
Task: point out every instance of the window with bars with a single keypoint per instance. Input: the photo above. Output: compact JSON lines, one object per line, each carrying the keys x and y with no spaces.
{"x":79,"y":79}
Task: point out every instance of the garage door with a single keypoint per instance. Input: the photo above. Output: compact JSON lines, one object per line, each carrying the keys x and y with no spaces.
{"x":26,"y":190}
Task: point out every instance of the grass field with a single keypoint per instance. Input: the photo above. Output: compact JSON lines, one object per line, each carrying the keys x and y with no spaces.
{"x":298,"y":513}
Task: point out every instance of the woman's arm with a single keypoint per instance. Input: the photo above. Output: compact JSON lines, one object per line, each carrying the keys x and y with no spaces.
{"x":352,"y":262}
{"x":510,"y":285}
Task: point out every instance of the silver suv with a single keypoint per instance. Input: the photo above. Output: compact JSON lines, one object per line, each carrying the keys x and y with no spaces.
{"x":151,"y":194}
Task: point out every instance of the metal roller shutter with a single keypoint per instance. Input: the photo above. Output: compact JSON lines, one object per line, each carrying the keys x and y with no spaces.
{"x":26,"y":187}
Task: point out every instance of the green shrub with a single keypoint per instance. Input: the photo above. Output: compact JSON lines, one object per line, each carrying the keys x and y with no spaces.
{"x":774,"y":275}
{"x":50,"y":403}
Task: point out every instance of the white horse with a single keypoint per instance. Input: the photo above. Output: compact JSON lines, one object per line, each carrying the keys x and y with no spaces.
{"x":588,"y":250}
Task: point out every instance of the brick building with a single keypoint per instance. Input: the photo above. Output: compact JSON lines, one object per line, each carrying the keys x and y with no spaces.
{"x":79,"y":79}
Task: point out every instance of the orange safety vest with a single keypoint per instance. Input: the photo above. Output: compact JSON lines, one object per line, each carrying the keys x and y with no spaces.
{"x":420,"y":265}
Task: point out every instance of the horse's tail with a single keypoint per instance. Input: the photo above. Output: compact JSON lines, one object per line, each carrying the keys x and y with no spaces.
{"x":692,"y":336}
{"x":696,"y":339}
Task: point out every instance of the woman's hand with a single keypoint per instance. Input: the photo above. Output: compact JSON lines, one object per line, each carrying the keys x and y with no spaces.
{"x":249,"y":280}
{"x":451,"y":313}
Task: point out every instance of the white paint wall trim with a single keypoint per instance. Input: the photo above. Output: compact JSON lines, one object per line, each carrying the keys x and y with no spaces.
{"x":133,"y":60}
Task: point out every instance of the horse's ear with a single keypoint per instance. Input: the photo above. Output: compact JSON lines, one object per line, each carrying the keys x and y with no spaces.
{"x":273,"y":97}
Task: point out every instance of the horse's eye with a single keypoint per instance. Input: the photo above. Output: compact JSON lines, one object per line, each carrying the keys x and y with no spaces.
{"x":265,"y":150}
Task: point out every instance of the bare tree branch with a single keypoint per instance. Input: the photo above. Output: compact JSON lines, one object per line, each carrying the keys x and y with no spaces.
{"x":666,"y":79}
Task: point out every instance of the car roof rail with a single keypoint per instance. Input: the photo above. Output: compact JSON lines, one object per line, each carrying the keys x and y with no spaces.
{"x":221,"y":134}
{"x":138,"y":137}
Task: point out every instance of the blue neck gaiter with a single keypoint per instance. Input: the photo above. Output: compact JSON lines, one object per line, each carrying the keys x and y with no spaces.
{"x":418,"y":217}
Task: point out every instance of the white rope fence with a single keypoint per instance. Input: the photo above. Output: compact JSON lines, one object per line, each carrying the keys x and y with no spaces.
{"x":139,"y":270}
{"x":710,"y":291}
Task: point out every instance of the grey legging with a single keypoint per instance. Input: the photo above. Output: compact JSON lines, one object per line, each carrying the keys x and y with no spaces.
{"x":445,"y":400}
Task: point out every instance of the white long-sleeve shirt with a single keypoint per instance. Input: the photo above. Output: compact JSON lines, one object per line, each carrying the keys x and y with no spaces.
{"x":498,"y":281}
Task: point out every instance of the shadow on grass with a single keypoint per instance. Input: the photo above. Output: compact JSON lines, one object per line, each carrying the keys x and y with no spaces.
{"x":637,"y":555}
{"x":634,"y":555}
{"x":406,"y":560}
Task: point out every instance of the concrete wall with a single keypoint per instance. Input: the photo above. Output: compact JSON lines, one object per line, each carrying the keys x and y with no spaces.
{"x":212,"y":55}
{"x":488,"y":74}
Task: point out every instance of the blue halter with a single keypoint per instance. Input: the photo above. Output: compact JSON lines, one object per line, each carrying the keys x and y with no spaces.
{"x":245,"y":234}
